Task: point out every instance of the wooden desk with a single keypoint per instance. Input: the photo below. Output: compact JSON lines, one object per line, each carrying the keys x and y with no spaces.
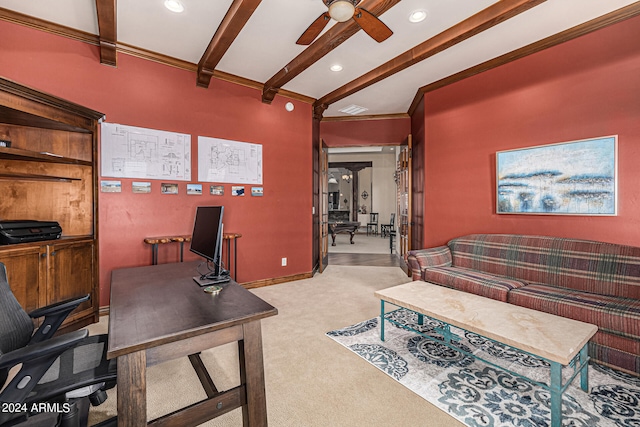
{"x":159,"y":313}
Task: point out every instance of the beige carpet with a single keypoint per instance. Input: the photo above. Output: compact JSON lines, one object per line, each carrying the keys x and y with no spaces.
{"x":310,"y":379}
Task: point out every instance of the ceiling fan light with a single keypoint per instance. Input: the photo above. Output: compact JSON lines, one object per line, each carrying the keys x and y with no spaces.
{"x":341,"y":10}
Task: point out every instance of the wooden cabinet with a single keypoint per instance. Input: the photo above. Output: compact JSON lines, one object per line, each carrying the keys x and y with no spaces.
{"x":49,"y":173}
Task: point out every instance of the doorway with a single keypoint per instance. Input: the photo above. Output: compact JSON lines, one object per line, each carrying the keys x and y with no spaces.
{"x":360,"y":182}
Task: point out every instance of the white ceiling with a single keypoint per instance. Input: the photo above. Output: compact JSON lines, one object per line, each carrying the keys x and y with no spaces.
{"x":267,"y":43}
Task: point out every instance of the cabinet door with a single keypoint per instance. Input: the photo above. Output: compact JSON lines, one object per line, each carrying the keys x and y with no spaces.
{"x":70,"y":275}
{"x":25,"y":273}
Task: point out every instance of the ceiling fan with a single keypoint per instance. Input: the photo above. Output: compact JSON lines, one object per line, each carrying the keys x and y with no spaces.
{"x":342,"y":11}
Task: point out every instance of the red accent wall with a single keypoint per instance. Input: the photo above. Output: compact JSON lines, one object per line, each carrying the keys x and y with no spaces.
{"x":362,"y":133}
{"x":146,"y":94}
{"x":581,"y":89}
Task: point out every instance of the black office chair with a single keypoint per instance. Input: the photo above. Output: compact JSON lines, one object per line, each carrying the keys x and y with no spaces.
{"x":385,"y":229}
{"x":372,"y":225}
{"x":58,"y":375}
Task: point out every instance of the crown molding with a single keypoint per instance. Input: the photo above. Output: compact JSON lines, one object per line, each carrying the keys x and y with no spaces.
{"x":93,"y":39}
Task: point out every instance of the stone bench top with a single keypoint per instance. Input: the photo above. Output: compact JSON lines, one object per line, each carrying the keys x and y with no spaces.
{"x":552,"y":337}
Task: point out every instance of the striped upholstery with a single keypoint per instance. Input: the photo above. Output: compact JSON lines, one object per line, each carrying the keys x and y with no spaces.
{"x":425,"y":258}
{"x":611,"y":314}
{"x":599,"y":268}
{"x":589,"y":281}
{"x":472,"y":281}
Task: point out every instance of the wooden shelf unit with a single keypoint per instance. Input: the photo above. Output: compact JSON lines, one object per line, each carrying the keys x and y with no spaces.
{"x":50,"y":173}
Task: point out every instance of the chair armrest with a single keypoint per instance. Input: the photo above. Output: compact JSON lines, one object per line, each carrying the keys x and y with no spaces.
{"x":54,"y":315}
{"x":50,"y":348}
{"x":35,"y":361}
{"x":59,"y":306}
{"x":422,"y":259}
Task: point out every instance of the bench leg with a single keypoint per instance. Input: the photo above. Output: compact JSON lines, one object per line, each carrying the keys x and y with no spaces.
{"x":154,"y":254}
{"x":555,"y":388}
{"x":381,"y":320}
{"x":584,"y":368}
{"x":420,"y":319}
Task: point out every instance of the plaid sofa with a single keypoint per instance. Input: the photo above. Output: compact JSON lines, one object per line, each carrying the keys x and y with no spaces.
{"x":593,"y":282}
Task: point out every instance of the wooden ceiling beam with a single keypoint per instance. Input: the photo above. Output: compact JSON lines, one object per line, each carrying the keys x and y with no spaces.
{"x":324,"y":44}
{"x":108,"y":28}
{"x":622,"y":14}
{"x":481,"y":21}
{"x":231,"y":25}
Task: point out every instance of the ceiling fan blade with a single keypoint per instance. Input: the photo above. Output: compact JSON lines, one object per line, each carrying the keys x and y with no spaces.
{"x":314,"y":29}
{"x":372,"y":25}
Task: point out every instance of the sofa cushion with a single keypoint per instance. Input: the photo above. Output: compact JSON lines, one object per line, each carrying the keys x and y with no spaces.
{"x":594,"y":267}
{"x":611,"y":314}
{"x":472,"y":281}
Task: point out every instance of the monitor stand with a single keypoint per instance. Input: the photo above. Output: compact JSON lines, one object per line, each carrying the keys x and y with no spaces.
{"x":203,"y":281}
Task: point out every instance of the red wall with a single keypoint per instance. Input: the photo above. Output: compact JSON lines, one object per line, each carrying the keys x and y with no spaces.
{"x":362,"y":133}
{"x":585,"y":88}
{"x":147,"y":94}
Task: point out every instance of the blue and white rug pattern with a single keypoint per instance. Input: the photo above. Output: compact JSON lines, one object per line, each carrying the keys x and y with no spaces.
{"x":480,"y":395}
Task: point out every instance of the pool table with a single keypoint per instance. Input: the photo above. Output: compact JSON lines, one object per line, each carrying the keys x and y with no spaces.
{"x":342,"y":227}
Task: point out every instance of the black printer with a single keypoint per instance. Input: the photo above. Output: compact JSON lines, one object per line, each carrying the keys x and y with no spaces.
{"x":24,"y":230}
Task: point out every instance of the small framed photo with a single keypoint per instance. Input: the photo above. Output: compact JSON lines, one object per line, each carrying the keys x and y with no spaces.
{"x":111,"y":186}
{"x":168,"y":188}
{"x":141,"y":187}
{"x":237,"y":190}
{"x":256,"y":191}
{"x":194,"y":189}
{"x":216,"y":190}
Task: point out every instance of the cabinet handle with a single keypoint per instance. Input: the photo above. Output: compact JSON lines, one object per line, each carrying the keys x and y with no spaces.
{"x":53,"y":253}
{"x":43,"y":255}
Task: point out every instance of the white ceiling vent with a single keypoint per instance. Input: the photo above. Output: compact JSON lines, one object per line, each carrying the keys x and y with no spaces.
{"x":353,"y":109}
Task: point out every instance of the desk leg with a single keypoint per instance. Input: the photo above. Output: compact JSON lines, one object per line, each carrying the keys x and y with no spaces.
{"x":132,"y":389}
{"x":254,"y":412}
{"x":154,"y":254}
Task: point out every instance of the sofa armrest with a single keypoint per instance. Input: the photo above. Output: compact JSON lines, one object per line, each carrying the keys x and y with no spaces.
{"x":421,"y":259}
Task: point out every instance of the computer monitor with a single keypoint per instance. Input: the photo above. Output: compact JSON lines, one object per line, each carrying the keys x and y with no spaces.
{"x":206,"y":241}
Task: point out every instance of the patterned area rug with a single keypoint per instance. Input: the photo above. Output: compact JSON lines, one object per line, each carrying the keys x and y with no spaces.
{"x":478,"y":394}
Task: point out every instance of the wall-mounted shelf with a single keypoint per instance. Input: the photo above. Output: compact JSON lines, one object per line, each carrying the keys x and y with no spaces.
{"x":32,"y":156}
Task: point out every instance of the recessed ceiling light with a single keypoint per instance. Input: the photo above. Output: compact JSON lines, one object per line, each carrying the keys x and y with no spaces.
{"x":174,"y":5}
{"x":336,"y":67}
{"x":417,"y":15}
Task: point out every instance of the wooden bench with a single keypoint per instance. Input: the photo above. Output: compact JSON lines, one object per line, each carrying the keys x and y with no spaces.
{"x":155,"y":241}
{"x":558,"y":340}
{"x":228,"y":237}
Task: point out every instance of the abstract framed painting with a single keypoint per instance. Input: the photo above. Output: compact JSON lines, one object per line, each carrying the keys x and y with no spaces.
{"x":568,"y":178}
